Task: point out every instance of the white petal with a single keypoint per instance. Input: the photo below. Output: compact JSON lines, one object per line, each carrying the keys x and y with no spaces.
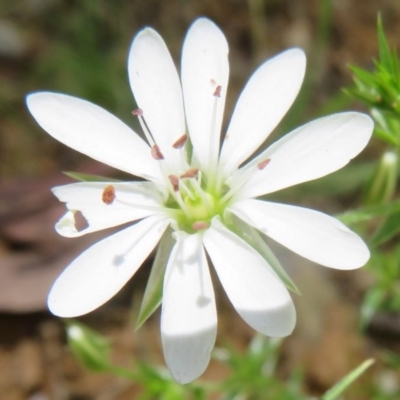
{"x":157,"y":90}
{"x":309,"y":152}
{"x":264,"y":101}
{"x":312,"y":234}
{"x":252,"y":286}
{"x":189,"y":318}
{"x":204,"y":67}
{"x":104,"y":268}
{"x":93,"y":131}
{"x":133,"y":201}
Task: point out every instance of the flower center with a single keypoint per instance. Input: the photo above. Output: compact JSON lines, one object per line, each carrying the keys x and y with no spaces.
{"x":191,"y":205}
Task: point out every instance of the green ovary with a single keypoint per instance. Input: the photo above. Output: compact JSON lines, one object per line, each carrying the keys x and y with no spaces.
{"x":200,"y":210}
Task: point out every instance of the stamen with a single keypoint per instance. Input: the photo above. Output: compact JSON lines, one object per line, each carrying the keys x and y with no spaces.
{"x":199,"y":225}
{"x":137,"y":113}
{"x":190,"y":173}
{"x":263,"y":164}
{"x":180,"y":142}
{"x":174,"y":182}
{"x":217,"y":92}
{"x":108,"y":195}
{"x":244,"y":177}
{"x":156,"y":153}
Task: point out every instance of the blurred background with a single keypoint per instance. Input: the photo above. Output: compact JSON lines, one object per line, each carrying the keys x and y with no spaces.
{"x":80,"y":47}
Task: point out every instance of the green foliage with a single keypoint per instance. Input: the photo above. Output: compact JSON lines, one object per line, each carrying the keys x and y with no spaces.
{"x":252,"y":373}
{"x":380,"y":90}
{"x":365,"y":214}
{"x":93,"y":350}
{"x":343,"y":384}
{"x":384,"y":295}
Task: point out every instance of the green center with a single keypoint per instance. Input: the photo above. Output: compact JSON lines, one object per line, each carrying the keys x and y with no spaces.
{"x":194,"y":207}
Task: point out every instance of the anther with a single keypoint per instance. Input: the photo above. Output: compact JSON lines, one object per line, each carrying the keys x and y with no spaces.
{"x":217,"y":92}
{"x":137,"y":113}
{"x":108,"y":195}
{"x":156,"y":153}
{"x":199,"y":225}
{"x":180,"y":142}
{"x":190,"y":173}
{"x":263,"y":164}
{"x":174,"y":182}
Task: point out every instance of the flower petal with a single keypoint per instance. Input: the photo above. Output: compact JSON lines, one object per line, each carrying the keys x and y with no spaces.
{"x":93,"y":131}
{"x":104,"y":268}
{"x":133,"y":201}
{"x":309,"y":152}
{"x":264,"y":101}
{"x":309,"y":233}
{"x":189,"y":318}
{"x":155,"y":84}
{"x":252,"y":286}
{"x":205,"y":67}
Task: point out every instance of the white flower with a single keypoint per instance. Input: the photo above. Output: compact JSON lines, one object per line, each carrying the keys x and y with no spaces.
{"x":201,"y":191}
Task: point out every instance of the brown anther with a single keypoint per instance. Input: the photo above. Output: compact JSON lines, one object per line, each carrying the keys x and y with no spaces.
{"x":199,"y":225}
{"x":156,"y":153}
{"x":217,"y":92}
{"x":137,"y":113}
{"x":263,"y":164}
{"x":174,"y":182}
{"x":190,"y":173}
{"x":180,"y":142}
{"x":108,"y":195}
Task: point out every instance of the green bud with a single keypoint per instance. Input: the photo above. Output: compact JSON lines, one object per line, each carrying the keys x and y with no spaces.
{"x":383,"y":183}
{"x":88,"y":346}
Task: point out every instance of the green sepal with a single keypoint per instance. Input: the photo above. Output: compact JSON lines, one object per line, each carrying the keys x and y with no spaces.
{"x":257,"y":242}
{"x":81,"y":177}
{"x":335,"y":391}
{"x":153,"y":293}
{"x":91,"y":348}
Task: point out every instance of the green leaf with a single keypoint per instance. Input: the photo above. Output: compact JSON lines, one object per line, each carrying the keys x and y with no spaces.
{"x":389,"y":228}
{"x":367,"y":213}
{"x":153,"y":294}
{"x":385,"y":56}
{"x":334,"y":392}
{"x":88,"y":177}
{"x":255,"y":240}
